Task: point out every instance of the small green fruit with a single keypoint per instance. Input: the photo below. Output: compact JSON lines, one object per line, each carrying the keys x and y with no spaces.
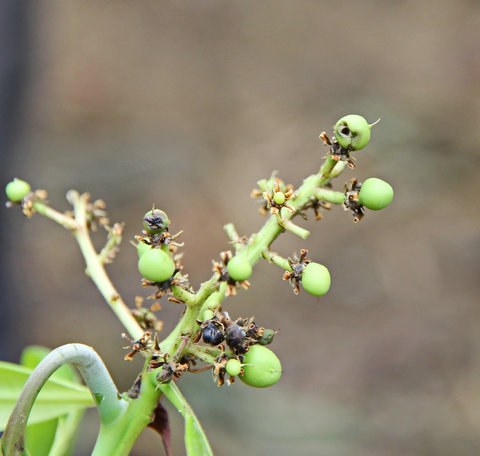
{"x":316,"y":279}
{"x":279,"y":197}
{"x":267,"y":337}
{"x":155,"y":221}
{"x":233,"y":367}
{"x":375,"y":194}
{"x":207,"y":314}
{"x":17,"y":190}
{"x":142,"y":247}
{"x":261,"y":367}
{"x":352,"y":132}
{"x":239,"y":269}
{"x":156,"y":265}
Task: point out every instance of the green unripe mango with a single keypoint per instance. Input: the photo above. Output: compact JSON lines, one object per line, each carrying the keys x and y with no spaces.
{"x":17,"y":190}
{"x":352,"y":132}
{"x":156,"y":265}
{"x":261,"y":367}
{"x":239,"y":268}
{"x":375,"y":194}
{"x":316,"y":279}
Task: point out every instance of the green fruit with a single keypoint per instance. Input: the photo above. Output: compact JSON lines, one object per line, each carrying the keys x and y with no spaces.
{"x":261,"y":367}
{"x":155,"y":221}
{"x":279,"y":197}
{"x":207,"y":314}
{"x":267,"y":337}
{"x":375,"y":194}
{"x":17,"y":190}
{"x":352,"y":132}
{"x":156,"y":265}
{"x":233,"y":367}
{"x":142,"y":247}
{"x":316,"y":279}
{"x":239,"y":268}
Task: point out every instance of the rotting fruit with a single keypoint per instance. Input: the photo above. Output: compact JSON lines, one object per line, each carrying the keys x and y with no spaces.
{"x":261,"y":367}
{"x":155,"y":221}
{"x":352,"y":132}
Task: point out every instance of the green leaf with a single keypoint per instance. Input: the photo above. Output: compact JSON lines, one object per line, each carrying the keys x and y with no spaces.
{"x":196,"y":442}
{"x":57,"y":397}
{"x":39,"y":437}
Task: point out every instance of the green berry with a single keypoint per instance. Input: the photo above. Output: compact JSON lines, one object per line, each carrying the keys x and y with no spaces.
{"x":316,"y":279}
{"x":239,"y":268}
{"x":375,"y":194}
{"x":261,"y":367}
{"x":142,"y":247}
{"x":233,"y":367}
{"x":17,"y":190}
{"x":156,"y":265}
{"x":279,"y":197}
{"x":352,"y":132}
{"x":155,"y":221}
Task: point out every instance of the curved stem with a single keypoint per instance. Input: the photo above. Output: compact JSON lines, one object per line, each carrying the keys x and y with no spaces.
{"x":94,"y":373}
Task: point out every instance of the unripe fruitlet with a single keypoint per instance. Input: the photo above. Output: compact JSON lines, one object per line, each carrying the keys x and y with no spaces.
{"x":375,"y":194}
{"x":352,"y":132}
{"x":279,"y":197}
{"x":261,"y":367}
{"x":239,"y":269}
{"x":156,"y":265}
{"x":316,"y":279}
{"x":142,"y":247}
{"x":233,"y":367}
{"x":17,"y":190}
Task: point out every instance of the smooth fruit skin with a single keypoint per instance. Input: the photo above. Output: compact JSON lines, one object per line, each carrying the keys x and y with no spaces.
{"x":375,"y":194}
{"x":17,"y":190}
{"x":233,"y":367}
{"x":261,"y":367}
{"x":239,"y":269}
{"x":156,"y":265}
{"x":316,"y":279}
{"x":279,"y":197}
{"x":142,"y":248}
{"x":352,"y":132}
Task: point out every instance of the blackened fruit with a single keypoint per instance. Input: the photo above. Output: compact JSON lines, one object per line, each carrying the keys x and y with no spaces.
{"x":212,"y":334}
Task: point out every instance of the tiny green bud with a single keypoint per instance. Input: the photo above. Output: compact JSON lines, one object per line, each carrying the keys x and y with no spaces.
{"x":267,"y":337}
{"x":375,"y":194}
{"x":155,"y":221}
{"x":316,"y":279}
{"x":352,"y":132}
{"x":261,"y":367}
{"x":239,"y":268}
{"x":17,"y":190}
{"x":156,"y":265}
{"x":233,"y":367}
{"x":279,"y":197}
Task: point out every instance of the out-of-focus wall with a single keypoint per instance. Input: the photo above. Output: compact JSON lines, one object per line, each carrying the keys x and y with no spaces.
{"x":186,"y":104}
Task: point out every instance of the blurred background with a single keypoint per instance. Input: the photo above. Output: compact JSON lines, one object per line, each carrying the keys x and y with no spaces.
{"x":186,"y":104}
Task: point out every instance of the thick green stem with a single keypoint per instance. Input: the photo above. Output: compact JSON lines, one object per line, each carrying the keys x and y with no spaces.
{"x":109,"y":403}
{"x":331,"y":196}
{"x":275,"y":258}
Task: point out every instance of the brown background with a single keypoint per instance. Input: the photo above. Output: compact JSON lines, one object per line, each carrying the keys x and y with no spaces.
{"x":188,"y":103}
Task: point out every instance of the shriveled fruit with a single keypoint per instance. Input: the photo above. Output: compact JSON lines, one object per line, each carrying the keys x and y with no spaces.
{"x":155,"y":221}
